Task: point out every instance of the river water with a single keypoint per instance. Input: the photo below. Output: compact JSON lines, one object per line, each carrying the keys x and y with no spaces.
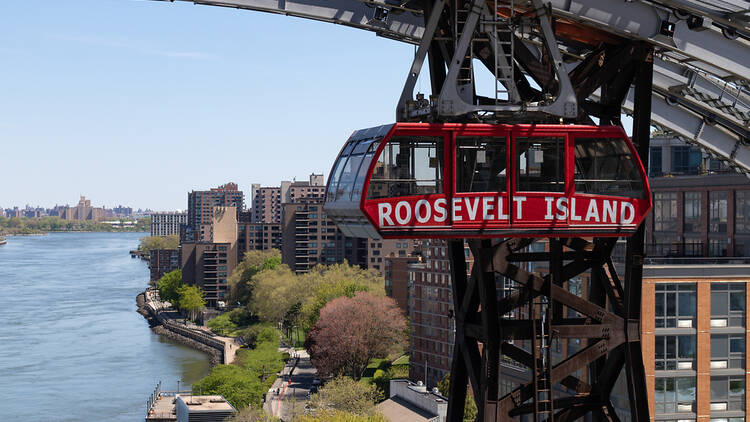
{"x":72,"y":347}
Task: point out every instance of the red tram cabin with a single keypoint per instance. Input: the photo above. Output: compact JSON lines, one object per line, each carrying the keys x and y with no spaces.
{"x":407,"y":180}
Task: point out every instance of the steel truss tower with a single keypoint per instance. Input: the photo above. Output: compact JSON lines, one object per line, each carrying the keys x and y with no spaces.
{"x":514,"y":41}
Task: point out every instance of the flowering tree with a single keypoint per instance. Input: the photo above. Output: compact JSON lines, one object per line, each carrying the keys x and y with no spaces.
{"x":352,"y":331}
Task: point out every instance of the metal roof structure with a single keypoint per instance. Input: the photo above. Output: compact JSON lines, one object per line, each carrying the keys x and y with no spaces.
{"x":701,"y":88}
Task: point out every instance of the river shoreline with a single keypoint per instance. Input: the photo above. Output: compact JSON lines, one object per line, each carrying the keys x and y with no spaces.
{"x":214,"y":356}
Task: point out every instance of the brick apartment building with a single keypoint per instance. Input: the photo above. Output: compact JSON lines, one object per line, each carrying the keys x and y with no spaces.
{"x":693,"y":325}
{"x":82,"y":211}
{"x":256,"y":236}
{"x":201,"y":206}
{"x":266,"y":204}
{"x":313,"y":189}
{"x":379,"y":249}
{"x":430,"y":314}
{"x":209,"y":264}
{"x":310,"y":238}
{"x":695,"y":337}
{"x":396,"y":275}
{"x":162,"y":261}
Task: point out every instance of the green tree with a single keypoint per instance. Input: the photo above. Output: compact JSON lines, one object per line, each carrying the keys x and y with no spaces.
{"x":239,"y":386}
{"x":241,"y":280}
{"x":347,"y":395}
{"x":329,"y":282}
{"x":276,"y":291}
{"x":169,"y":287}
{"x":470,"y":406}
{"x":249,"y":377}
{"x":191,"y":300}
{"x":158,"y":242}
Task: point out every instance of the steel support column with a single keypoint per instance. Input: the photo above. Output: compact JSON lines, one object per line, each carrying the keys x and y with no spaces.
{"x":635,"y":250}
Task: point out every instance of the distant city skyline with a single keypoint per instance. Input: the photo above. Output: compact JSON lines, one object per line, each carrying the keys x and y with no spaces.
{"x":191,"y":97}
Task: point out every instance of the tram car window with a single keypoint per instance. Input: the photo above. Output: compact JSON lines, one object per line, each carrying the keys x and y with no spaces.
{"x":480,"y":164}
{"x":541,"y":164}
{"x":408,"y":166}
{"x":605,"y":166}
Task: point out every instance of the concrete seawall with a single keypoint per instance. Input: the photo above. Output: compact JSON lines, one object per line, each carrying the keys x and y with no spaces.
{"x":158,"y":316}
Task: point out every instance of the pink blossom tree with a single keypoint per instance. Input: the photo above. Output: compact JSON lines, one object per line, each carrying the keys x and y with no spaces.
{"x":352,"y":331}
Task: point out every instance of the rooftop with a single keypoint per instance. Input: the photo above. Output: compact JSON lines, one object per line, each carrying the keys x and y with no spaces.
{"x":206,"y":403}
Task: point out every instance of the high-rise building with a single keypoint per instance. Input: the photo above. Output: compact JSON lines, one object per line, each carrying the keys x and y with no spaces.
{"x":693,"y":322}
{"x":695,"y":337}
{"x":314,"y":189}
{"x":209,"y":264}
{"x":396,"y":277}
{"x":122,"y":211}
{"x":83,"y":211}
{"x":167,"y":223}
{"x":256,"y":236}
{"x":379,"y":249}
{"x":266,"y":204}
{"x":310,"y":238}
{"x":201,"y":205}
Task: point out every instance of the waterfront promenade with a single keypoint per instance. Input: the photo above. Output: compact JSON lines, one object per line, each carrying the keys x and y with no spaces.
{"x":171,"y":320}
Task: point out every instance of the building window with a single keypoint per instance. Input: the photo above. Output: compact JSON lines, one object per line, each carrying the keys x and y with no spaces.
{"x":742,"y":211}
{"x":675,"y":352}
{"x":717,"y":212}
{"x":717,"y":247}
{"x":727,"y":304}
{"x":675,"y":305}
{"x":692,"y":212}
{"x":728,"y":393}
{"x":693,"y":246}
{"x":665,"y":211}
{"x":686,"y":160}
{"x":654,"y":162}
{"x":727,"y":351}
{"x":673,"y":395}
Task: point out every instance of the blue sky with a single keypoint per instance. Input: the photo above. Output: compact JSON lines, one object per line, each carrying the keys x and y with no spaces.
{"x":138,"y":102}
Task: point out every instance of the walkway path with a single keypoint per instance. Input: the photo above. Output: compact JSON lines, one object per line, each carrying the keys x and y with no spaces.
{"x":293,"y":387}
{"x":231,"y":345}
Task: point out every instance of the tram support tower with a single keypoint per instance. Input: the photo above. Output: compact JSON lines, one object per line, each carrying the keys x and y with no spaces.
{"x":517,"y":42}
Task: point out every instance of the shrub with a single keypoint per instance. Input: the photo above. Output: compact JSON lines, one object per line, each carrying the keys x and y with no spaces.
{"x":245,"y":382}
{"x":241,"y":316}
{"x":222,"y":325}
{"x":348,"y":395}
{"x":259,"y":333}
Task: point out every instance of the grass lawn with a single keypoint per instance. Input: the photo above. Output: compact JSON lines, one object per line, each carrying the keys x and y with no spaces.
{"x":374,"y":365}
{"x":403,"y":360}
{"x":381,"y":371}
